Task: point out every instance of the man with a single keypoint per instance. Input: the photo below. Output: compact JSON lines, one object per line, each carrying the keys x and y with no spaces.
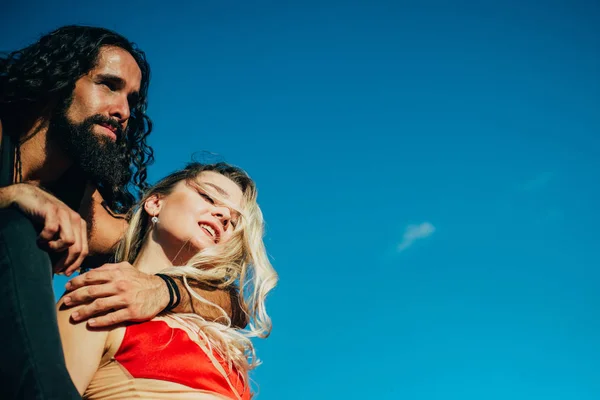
{"x":73,"y":130}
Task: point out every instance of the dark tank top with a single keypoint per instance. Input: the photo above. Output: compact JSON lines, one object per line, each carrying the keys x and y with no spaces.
{"x":7,"y":160}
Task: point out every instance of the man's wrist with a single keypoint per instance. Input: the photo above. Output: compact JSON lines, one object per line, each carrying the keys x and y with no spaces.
{"x":174,"y":293}
{"x":164,"y":294}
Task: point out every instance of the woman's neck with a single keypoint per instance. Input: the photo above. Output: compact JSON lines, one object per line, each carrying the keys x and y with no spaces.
{"x":152,"y":259}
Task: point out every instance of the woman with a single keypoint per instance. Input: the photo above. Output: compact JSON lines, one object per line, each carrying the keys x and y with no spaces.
{"x":203,"y":224}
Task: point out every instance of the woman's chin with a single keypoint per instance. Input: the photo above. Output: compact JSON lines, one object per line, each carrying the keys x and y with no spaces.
{"x":202,"y":243}
{"x":187,"y":249}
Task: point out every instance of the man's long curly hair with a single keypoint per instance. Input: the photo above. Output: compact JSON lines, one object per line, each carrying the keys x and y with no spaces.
{"x":37,"y":78}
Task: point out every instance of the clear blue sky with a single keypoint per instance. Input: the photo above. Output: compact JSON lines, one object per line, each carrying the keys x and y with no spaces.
{"x":429,"y":171}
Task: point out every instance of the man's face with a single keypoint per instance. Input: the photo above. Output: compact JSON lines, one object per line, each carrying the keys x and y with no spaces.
{"x":91,"y":125}
{"x":109,"y":90}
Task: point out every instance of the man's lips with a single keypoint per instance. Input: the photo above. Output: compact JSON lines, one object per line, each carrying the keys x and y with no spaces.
{"x":109,"y":130}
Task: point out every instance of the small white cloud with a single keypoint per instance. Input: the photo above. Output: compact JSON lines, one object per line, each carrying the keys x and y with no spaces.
{"x":415,"y":232}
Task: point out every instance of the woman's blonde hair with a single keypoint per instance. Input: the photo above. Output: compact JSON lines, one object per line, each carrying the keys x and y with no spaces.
{"x":241,"y":264}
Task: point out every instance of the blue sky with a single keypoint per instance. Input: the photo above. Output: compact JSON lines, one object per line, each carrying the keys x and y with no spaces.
{"x":428,"y":171}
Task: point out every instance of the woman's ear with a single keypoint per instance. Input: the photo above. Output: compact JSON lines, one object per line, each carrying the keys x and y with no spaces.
{"x":152,"y":205}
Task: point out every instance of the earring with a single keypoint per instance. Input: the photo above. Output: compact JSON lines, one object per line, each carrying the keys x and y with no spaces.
{"x":154,"y":220}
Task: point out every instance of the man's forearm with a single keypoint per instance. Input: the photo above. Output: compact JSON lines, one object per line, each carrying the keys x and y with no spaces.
{"x":228,"y":300}
{"x":143,"y":296}
{"x":7,"y":196}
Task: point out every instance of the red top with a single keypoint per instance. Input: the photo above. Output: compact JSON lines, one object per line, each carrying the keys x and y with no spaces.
{"x":155,"y":350}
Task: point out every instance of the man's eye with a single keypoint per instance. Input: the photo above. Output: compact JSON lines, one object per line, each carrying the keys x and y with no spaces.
{"x":111,"y":86}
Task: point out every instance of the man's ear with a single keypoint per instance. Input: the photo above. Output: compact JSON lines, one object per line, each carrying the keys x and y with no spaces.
{"x":153,"y":204}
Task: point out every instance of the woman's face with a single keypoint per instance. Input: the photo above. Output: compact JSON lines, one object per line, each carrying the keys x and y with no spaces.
{"x":191,"y":220}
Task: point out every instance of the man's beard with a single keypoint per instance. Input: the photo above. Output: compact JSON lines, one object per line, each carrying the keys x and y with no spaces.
{"x":102,"y":160}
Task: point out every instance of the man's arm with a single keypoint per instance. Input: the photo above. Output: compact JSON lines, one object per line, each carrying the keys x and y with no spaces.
{"x":119,"y":292}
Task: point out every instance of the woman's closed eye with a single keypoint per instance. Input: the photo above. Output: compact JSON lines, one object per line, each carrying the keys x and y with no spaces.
{"x":231,"y":222}
{"x":207,"y":197}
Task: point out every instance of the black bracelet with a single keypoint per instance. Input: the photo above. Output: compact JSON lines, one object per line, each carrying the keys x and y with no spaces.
{"x":177,"y":293}
{"x":168,"y":280}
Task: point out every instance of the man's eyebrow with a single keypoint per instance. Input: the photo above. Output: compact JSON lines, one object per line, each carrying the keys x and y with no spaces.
{"x":114,"y":79}
{"x":218,"y":189}
{"x":118,"y":82}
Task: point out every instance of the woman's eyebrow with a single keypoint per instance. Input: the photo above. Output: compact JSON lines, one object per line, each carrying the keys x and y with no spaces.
{"x":218,"y":189}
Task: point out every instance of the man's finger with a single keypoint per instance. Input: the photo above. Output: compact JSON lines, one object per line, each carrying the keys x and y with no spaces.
{"x":75,"y":266}
{"x":69,"y":260}
{"x":94,"y":277}
{"x":110,"y":319}
{"x":51,"y":227}
{"x":88,"y":293}
{"x":84,"y":249}
{"x":60,"y":265}
{"x":66,"y":227}
{"x":98,"y":306}
{"x":72,"y":255}
{"x":74,"y":251}
{"x":57,"y":245}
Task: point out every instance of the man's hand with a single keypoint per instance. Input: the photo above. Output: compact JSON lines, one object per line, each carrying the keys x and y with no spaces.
{"x":63,"y":230}
{"x":116,"y":293}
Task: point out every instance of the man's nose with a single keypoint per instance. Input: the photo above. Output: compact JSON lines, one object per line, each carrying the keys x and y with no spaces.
{"x":120,"y":110}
